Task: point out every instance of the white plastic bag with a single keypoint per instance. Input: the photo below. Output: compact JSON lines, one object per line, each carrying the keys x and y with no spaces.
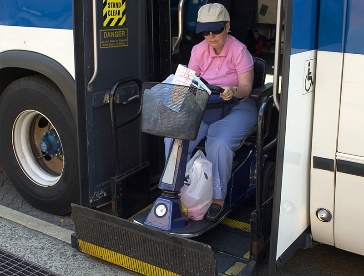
{"x":196,"y":194}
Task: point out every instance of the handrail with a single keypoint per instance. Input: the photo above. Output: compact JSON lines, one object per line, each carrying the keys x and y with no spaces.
{"x":175,"y":47}
{"x":114,"y":127}
{"x":94,"y":28}
{"x":277,"y":52}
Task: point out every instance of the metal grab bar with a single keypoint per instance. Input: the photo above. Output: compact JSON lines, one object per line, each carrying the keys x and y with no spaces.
{"x":277,"y":52}
{"x":94,"y":28}
{"x":177,"y":40}
{"x":114,"y":127}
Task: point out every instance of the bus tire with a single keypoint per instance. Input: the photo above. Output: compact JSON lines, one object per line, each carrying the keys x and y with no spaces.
{"x":38,"y":144}
{"x":268,"y":179}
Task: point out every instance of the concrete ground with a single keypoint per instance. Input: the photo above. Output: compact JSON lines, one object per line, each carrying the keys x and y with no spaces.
{"x":51,"y":252}
{"x":44,"y":239}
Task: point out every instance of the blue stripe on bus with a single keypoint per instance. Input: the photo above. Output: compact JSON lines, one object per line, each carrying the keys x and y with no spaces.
{"x":55,"y":14}
{"x":331,"y":25}
{"x":340,"y":24}
{"x":354,"y":42}
{"x":304,"y":25}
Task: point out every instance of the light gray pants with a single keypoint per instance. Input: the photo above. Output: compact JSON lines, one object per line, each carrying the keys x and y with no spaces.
{"x":222,"y":140}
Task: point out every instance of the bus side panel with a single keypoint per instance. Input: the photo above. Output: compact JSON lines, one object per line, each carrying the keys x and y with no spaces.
{"x":296,"y":141}
{"x":42,"y":13}
{"x":324,"y":139}
{"x":294,"y":217}
{"x":349,"y":214}
{"x":325,"y":127}
{"x":349,"y":211}
{"x":350,"y":130}
{"x":43,"y":27}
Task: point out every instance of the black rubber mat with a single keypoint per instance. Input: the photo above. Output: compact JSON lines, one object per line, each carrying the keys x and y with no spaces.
{"x":243,"y":214}
{"x":13,"y":265}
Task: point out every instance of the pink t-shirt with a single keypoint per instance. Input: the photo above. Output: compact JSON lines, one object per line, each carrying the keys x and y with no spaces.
{"x":222,"y":69}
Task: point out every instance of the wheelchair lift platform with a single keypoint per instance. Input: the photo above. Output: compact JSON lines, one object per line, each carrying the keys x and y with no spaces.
{"x":150,"y":251}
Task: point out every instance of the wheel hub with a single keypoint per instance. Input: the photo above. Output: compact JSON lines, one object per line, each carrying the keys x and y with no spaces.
{"x":50,"y":144}
{"x":38,"y":148}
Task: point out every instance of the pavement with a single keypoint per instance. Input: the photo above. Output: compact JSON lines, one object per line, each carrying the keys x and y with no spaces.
{"x":44,"y":239}
{"x":50,"y":249}
{"x":322,"y":260}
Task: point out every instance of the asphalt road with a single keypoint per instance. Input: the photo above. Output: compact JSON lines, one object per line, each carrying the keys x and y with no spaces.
{"x":60,"y":257}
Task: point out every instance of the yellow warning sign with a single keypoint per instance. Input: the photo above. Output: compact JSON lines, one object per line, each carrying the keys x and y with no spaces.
{"x":113,"y":38}
{"x":114,"y":12}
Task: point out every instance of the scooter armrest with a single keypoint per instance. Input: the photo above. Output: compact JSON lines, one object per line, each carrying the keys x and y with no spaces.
{"x":262,"y":91}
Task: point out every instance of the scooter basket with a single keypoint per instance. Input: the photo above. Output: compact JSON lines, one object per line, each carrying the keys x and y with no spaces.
{"x":173,"y":111}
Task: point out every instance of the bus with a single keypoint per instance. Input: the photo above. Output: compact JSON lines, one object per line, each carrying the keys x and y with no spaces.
{"x":73,"y":76}
{"x":38,"y":102}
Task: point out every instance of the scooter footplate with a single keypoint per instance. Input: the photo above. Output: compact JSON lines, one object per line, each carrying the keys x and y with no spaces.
{"x":193,"y":229}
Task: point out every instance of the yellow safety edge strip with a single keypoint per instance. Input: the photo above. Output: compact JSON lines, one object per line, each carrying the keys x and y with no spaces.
{"x":142,"y":210}
{"x":236,"y":224}
{"x":235,"y":269}
{"x":247,"y":255}
{"x":122,"y":260}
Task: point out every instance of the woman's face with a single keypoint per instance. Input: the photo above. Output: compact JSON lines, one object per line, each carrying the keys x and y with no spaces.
{"x":217,"y":41}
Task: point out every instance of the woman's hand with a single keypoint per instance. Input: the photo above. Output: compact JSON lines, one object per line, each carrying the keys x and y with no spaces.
{"x":243,"y":90}
{"x":228,"y":93}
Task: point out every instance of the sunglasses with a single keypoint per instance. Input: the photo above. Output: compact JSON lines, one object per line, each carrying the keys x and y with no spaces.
{"x":207,"y":33}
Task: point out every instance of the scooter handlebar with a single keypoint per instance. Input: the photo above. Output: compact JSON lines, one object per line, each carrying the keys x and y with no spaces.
{"x":215,"y":90}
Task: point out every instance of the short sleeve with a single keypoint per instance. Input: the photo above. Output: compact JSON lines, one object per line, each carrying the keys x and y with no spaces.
{"x":194,"y":61}
{"x":243,"y":60}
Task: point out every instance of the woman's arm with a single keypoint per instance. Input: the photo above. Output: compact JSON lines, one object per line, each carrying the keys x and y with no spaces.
{"x":243,"y":90}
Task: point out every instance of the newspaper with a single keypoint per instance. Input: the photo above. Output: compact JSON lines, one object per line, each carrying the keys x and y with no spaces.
{"x":186,"y":77}
{"x":183,"y":77}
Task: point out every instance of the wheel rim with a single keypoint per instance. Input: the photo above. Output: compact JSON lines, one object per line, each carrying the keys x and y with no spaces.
{"x":29,"y":130}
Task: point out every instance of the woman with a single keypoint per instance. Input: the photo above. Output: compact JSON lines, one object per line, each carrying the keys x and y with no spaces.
{"x":223,"y":61}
